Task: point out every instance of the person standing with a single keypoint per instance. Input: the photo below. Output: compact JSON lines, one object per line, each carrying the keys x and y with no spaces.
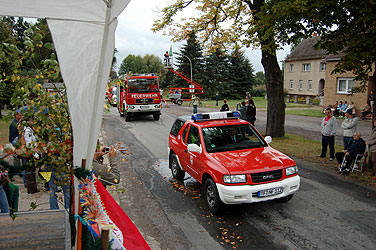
{"x":166,"y":59}
{"x":242,"y":108}
{"x":372,"y":147}
{"x":30,"y":144}
{"x":251,"y":112}
{"x":349,"y":126}
{"x":4,"y":205}
{"x":224,"y":106}
{"x":13,"y":128}
{"x":328,"y":131}
{"x":194,"y":103}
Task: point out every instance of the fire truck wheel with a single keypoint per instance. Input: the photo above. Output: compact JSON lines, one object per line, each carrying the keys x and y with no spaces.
{"x":286,"y":198}
{"x":177,"y":173}
{"x":179,"y":102}
{"x":156,"y":116}
{"x":211,"y":196}
{"x":127,"y":117}
{"x":121,"y":114}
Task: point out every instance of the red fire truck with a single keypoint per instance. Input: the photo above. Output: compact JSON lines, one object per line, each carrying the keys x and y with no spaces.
{"x":139,"y":94}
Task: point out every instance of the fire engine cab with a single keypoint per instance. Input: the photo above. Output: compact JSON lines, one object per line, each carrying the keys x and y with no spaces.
{"x":231,"y":159}
{"x":139,"y":95}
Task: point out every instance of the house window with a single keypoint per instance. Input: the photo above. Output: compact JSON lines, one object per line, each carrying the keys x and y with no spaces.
{"x":291,"y":67}
{"x":306,"y":67}
{"x":345,"y":85}
{"x":291,"y":84}
{"x":300,"y":84}
{"x":309,"y":84}
{"x":322,"y":66}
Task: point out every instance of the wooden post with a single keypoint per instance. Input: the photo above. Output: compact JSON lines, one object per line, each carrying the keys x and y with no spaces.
{"x":79,"y":224}
{"x":105,"y":237}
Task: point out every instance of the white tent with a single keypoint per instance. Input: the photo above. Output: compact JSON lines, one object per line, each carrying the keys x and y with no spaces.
{"x":83,"y":32}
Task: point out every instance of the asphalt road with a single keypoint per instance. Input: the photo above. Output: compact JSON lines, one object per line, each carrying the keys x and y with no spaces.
{"x":328,"y":212}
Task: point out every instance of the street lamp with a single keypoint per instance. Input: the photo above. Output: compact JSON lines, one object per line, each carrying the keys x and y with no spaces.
{"x":190,"y":64}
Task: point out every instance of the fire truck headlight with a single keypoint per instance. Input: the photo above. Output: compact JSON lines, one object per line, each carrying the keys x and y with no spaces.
{"x":131,"y":107}
{"x":157,"y":106}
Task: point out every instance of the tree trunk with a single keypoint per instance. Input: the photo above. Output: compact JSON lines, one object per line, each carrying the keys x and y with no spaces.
{"x":275,"y":122}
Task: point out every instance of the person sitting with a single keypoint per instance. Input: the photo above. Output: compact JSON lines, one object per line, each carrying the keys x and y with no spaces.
{"x":343,"y":109}
{"x":339,"y":106}
{"x":352,"y":107}
{"x":152,"y":86}
{"x":107,"y":174}
{"x":357,"y":146}
{"x":366,"y":111}
{"x":224,"y":106}
{"x":334,"y":108}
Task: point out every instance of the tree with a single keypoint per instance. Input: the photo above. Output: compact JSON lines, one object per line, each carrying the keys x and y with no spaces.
{"x":223,"y":23}
{"x":192,"y":50}
{"x":9,"y":61}
{"x":217,"y":74}
{"x":131,"y":64}
{"x":153,"y":64}
{"x":241,"y":74}
{"x":259,"y":79}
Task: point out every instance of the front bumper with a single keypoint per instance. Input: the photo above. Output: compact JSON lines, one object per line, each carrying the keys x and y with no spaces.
{"x":248,"y":194}
{"x":144,"y":108}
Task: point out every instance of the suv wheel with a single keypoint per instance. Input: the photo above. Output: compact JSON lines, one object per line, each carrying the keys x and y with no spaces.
{"x":176,"y":171}
{"x":211,"y":196}
{"x":179,"y":102}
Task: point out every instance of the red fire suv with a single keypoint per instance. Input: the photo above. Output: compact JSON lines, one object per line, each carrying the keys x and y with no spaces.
{"x":231,"y":159}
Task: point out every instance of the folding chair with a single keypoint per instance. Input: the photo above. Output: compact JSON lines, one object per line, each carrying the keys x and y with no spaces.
{"x":358,"y":165}
{"x":342,"y":165}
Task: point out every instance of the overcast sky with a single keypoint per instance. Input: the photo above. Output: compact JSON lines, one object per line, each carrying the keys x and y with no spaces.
{"x":134,"y":35}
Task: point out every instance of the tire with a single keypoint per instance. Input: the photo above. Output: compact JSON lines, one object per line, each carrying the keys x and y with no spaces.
{"x":176,"y":171}
{"x":285,"y":199}
{"x":179,"y":102}
{"x":127,"y":117}
{"x":211,"y":196}
{"x":156,"y":116}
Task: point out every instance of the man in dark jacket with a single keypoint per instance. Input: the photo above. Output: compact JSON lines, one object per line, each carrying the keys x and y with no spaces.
{"x":13,"y":128}
{"x":357,"y":146}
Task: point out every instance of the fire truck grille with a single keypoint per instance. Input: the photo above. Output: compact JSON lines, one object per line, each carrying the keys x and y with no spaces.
{"x":267,"y":176}
{"x":143,"y":101}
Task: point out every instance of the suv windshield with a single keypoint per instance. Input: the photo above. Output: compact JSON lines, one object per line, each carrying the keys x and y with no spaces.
{"x":143,"y":85}
{"x":231,"y":137}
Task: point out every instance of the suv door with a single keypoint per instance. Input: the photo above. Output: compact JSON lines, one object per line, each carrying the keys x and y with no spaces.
{"x":193,"y":159}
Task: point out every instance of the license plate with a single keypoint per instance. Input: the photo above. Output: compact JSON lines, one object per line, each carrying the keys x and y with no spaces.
{"x":270,"y":192}
{"x":144,"y":107}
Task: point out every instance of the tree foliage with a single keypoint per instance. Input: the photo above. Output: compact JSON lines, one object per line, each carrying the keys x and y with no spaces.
{"x":223,"y":23}
{"x":346,"y":27}
{"x":137,"y":64}
{"x":32,"y":64}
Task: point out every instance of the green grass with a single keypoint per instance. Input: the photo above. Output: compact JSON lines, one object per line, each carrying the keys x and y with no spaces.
{"x":313,"y":112}
{"x":260,"y":102}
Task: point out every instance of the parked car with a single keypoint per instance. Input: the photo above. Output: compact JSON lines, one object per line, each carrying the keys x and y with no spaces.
{"x":231,"y":159}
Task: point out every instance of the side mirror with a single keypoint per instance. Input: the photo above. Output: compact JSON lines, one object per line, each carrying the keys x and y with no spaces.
{"x":268,"y":139}
{"x":194,"y":148}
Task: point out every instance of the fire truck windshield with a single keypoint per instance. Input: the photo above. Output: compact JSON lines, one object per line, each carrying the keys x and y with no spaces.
{"x":142,"y":85}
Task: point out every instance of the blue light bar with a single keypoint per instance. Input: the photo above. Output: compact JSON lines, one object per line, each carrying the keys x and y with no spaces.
{"x":215,"y":115}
